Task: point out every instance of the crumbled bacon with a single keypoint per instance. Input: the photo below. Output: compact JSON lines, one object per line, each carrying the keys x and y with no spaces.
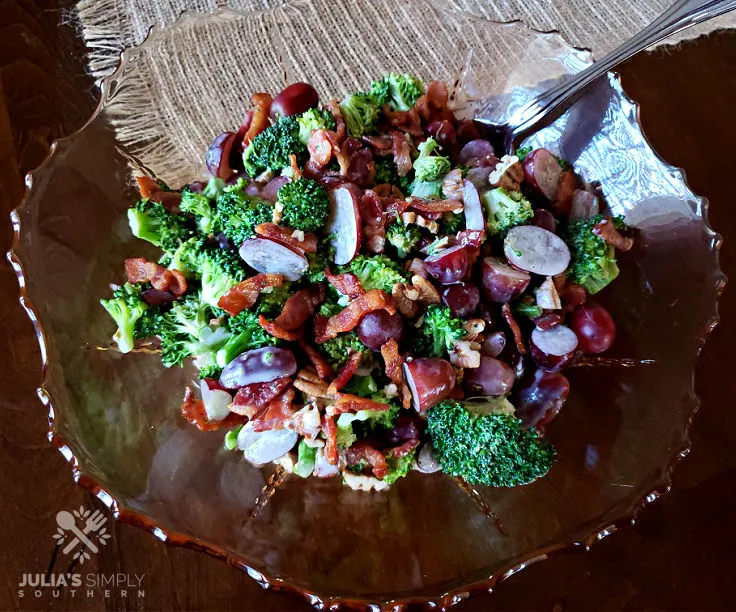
{"x":319,"y":323}
{"x":275,"y":330}
{"x":408,"y":122}
{"x":349,"y":317}
{"x":296,"y":173}
{"x":347,"y":402}
{"x":300,"y":307}
{"x":259,"y":120}
{"x":514,"y":326}
{"x":192,"y":409}
{"x":147,"y":186}
{"x":573,"y":296}
{"x":346,"y":372}
{"x":321,"y":365}
{"x":393,"y":361}
{"x":471,"y":237}
{"x":364,"y":451}
{"x":340,"y":130}
{"x":371,"y":214}
{"x":435,"y":206}
{"x":244,"y":295}
{"x":381,"y":144}
{"x":322,"y":145}
{"x":402,"y":153}
{"x":138,"y":270}
{"x":391,"y":192}
{"x":278,"y":413}
{"x":285,"y":236}
{"x":253,"y":398}
{"x":611,"y":235}
{"x":329,"y":428}
{"x":438,"y":97}
{"x":346,"y":284}
{"x":403,"y":449}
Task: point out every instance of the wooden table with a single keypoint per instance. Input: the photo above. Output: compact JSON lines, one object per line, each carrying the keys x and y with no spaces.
{"x":679,"y":555}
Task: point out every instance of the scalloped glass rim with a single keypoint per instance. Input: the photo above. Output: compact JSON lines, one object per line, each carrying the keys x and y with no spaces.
{"x":445,"y":598}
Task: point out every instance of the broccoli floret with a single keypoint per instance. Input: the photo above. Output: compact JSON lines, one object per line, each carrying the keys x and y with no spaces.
{"x":360,"y":112}
{"x":247,"y":334}
{"x":150,"y":221}
{"x":505,"y":210}
{"x":364,"y":386}
{"x":338,"y":349}
{"x":399,"y":90}
{"x":491,"y":449}
{"x":522,"y":152}
{"x":526,"y":309}
{"x":125,"y":307}
{"x":305,"y":204}
{"x":199,"y":205}
{"x":270,"y":150}
{"x":403,"y":237}
{"x":181,"y":329}
{"x":593,"y":262}
{"x":186,"y":257}
{"x":220,"y":270}
{"x":314,"y":119}
{"x":427,"y":190}
{"x":238,"y":214}
{"x":375,"y":272}
{"x":215,"y":186}
{"x":387,"y":172}
{"x":329,"y":308}
{"x":210,"y":370}
{"x":428,"y":167}
{"x":231,"y":438}
{"x":270,"y":304}
{"x":306,"y":455}
{"x":452,"y":223}
{"x":438,"y":331}
{"x":350,"y":426}
{"x":398,"y":467}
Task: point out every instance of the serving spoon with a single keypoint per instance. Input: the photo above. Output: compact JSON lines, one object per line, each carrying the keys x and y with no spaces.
{"x":550,"y":103}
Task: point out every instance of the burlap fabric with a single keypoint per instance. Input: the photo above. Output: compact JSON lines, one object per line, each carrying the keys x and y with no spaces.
{"x":193,"y":80}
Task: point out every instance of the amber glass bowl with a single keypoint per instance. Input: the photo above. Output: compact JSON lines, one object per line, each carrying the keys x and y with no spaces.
{"x":427,"y":539}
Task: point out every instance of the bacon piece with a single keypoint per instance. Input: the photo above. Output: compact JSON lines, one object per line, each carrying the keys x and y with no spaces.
{"x":393,"y":361}
{"x":435,"y":206}
{"x":319,"y":323}
{"x":387,"y":190}
{"x":277,"y":331}
{"x":296,"y":173}
{"x":285,"y":235}
{"x":243,"y":130}
{"x":346,"y":372}
{"x":438,"y":98}
{"x":300,"y":307}
{"x":322,"y":145}
{"x":340,"y":130}
{"x":147,"y":186}
{"x":259,"y":120}
{"x":363,"y":450}
{"x":573,"y":296}
{"x":403,"y":449}
{"x":138,"y":270}
{"x":349,"y":317}
{"x":471,"y":237}
{"x":402,"y":153}
{"x":151,"y":189}
{"x":253,"y":398}
{"x":422,"y":107}
{"x":244,"y":295}
{"x":278,"y":413}
{"x":192,"y":409}
{"x":347,"y":284}
{"x":347,"y":402}
{"x":321,"y":365}
{"x":329,"y":428}
{"x":611,"y":235}
{"x":382,"y":144}
{"x":514,"y":326}
{"x":408,"y":122}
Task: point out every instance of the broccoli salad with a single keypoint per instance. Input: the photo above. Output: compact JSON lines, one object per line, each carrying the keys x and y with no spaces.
{"x":366,"y":289}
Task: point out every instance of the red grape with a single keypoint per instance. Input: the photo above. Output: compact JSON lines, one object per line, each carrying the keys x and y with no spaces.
{"x":218,"y":155}
{"x":502,"y":283}
{"x":492,"y":377}
{"x":494,"y":344}
{"x":462,"y":299}
{"x":377,"y":327}
{"x":259,"y":365}
{"x":430,"y":380}
{"x":294,"y":99}
{"x":544,"y":219}
{"x":552,"y":348}
{"x":594,"y":328}
{"x":448,"y":266}
{"x":540,"y":400}
{"x":444,"y":133}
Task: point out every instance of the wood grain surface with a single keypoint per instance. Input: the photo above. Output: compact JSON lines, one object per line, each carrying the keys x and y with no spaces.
{"x":678,"y":556}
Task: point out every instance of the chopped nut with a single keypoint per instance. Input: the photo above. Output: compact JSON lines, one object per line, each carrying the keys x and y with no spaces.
{"x":427,"y":292}
{"x":405,"y":396}
{"x":432,"y":226}
{"x":508,"y":173}
{"x":474,"y":327}
{"x":459,"y":373}
{"x":376,"y":244}
{"x":464,"y":356}
{"x":391,"y":390}
{"x":278,"y":210}
{"x":405,"y":298}
{"x":298,"y":235}
{"x":408,"y":217}
{"x":309,"y":374}
{"x":547,"y":296}
{"x":452,"y":185}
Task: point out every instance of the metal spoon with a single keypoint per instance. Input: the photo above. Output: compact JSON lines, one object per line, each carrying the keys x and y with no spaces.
{"x":681,"y":15}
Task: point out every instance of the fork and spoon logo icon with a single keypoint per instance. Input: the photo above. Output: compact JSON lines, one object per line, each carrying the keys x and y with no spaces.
{"x":82,"y":539}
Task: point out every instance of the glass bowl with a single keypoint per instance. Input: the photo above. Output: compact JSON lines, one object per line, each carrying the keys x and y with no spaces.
{"x":428,"y":538}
